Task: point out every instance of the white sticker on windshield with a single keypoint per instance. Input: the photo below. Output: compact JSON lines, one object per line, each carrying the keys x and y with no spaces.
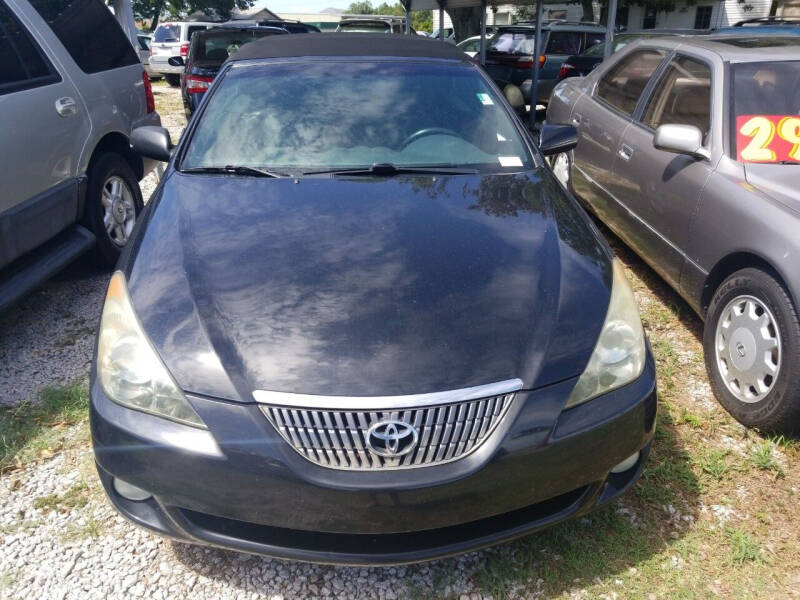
{"x":485,"y":99}
{"x":500,"y":138}
{"x":510,"y":161}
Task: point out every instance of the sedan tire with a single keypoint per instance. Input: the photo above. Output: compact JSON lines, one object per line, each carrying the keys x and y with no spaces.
{"x":113,"y":203}
{"x":751,"y":343}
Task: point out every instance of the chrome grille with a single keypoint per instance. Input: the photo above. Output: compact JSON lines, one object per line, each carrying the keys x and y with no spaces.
{"x":338,"y":438}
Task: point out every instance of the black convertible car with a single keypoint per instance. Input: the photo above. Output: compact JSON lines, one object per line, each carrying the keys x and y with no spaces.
{"x":361,"y":322}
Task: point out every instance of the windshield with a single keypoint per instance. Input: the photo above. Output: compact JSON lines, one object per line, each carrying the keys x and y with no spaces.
{"x":297,"y":116}
{"x":214,"y":49}
{"x":513,"y":42}
{"x":766,"y":111}
{"x":167,"y":33}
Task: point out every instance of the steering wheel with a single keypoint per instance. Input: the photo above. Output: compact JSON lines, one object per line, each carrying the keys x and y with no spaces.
{"x":425,"y":133}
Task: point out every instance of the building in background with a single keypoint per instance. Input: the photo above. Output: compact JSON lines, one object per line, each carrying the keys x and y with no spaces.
{"x":703,"y":15}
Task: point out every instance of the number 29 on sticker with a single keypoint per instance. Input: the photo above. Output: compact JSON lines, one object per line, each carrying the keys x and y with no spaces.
{"x":768,"y":138}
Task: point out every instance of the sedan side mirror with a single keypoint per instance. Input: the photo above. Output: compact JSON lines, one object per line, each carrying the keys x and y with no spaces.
{"x":680,"y":139}
{"x":175,"y":61}
{"x":152,"y":142}
{"x":555,"y":139}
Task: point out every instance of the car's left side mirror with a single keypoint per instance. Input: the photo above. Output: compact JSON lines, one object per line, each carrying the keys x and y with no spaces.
{"x":175,"y":61}
{"x":555,"y":139}
{"x":680,"y":139}
{"x":152,"y":142}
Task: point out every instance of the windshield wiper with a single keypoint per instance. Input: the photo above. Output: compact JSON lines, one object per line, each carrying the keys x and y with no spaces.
{"x":236,"y":170}
{"x":388,"y":170}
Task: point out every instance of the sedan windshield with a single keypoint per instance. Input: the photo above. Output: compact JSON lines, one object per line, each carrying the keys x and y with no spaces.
{"x":326,"y":115}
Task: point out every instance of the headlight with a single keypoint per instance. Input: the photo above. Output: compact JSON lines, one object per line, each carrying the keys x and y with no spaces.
{"x":619,"y":354}
{"x":128,"y":367}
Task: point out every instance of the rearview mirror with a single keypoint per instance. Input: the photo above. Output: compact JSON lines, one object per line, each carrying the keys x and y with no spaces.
{"x":555,"y":139}
{"x":175,"y":61}
{"x":680,"y":139}
{"x":152,"y":142}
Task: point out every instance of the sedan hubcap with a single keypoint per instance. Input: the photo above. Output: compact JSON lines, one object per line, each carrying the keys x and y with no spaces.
{"x":748,"y":348}
{"x":119,"y":212}
{"x":560,"y":166}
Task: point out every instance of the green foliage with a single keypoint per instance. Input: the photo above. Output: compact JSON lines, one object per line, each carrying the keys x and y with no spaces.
{"x":152,"y":10}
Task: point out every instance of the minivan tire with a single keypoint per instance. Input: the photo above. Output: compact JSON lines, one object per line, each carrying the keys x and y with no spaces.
{"x":775,"y":318}
{"x":174,"y":80}
{"x":110,"y":170}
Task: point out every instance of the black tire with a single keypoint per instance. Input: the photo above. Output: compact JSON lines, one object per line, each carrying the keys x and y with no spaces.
{"x":105,"y":168}
{"x":779,"y":409}
{"x":174,"y":80}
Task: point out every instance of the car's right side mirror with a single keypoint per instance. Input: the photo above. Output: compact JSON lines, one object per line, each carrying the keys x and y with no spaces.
{"x":175,"y":61}
{"x":555,"y":139}
{"x":152,"y":142}
{"x":680,"y":139}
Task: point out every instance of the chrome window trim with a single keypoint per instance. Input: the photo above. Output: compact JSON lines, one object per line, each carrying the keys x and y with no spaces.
{"x":361,"y":403}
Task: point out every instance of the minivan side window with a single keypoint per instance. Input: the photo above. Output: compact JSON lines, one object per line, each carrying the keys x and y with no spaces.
{"x":622,"y":85}
{"x":24,"y":65}
{"x":89,"y":32}
{"x":564,"y":42}
{"x":682,"y":96}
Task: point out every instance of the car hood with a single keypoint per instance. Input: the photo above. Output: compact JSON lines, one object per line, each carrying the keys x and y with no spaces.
{"x":777,"y":181}
{"x":367,"y":286}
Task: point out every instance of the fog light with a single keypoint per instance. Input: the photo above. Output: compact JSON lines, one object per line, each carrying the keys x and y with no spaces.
{"x":130,"y":491}
{"x":626,"y":464}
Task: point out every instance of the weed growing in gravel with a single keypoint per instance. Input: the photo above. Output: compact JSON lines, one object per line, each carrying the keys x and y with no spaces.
{"x":75,"y":497}
{"x":714,"y":462}
{"x":36,"y":429}
{"x":764,"y":459}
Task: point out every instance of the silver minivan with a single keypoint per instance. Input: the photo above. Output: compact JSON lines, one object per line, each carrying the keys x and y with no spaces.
{"x":173,"y":39}
{"x":71,"y":90}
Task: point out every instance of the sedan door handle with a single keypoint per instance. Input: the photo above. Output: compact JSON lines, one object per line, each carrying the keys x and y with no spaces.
{"x":66,"y":106}
{"x":625,"y":152}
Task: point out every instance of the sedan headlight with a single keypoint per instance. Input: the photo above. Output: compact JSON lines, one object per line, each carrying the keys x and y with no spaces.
{"x":128,"y":367}
{"x":619,"y":354}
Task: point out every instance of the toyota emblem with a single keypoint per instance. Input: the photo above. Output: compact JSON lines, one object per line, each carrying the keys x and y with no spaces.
{"x":391,"y":439}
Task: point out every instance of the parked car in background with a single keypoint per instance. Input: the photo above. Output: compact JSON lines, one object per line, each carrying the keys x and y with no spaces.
{"x":71,"y":90}
{"x":763,"y":26}
{"x":341,"y":295}
{"x":582,"y":64}
{"x":372,"y":24}
{"x":472,"y":45}
{"x":173,"y":39}
{"x":290,"y":26}
{"x":688,"y":150}
{"x":510,"y":55}
{"x":143,"y":40}
{"x":449,"y":33}
{"x":207,"y":51}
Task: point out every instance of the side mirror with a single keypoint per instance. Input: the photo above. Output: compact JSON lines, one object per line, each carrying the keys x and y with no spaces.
{"x":555,"y":139}
{"x":152,"y":142}
{"x":680,"y":139}
{"x":175,"y":61}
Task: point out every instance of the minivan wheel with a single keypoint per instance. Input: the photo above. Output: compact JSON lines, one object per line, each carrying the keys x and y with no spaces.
{"x":113,"y":202}
{"x":560,"y":164}
{"x":751,"y":341}
{"x":174,"y":80}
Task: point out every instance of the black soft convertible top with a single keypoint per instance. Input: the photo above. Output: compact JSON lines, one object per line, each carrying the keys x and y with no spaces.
{"x":348,"y":44}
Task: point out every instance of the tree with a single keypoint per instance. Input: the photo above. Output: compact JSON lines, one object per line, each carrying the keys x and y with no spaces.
{"x":421,"y":20}
{"x":466,"y":21}
{"x":363,"y":7}
{"x":153,"y":9}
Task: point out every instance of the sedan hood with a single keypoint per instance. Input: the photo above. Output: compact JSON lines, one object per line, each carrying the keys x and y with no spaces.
{"x":367,"y":286}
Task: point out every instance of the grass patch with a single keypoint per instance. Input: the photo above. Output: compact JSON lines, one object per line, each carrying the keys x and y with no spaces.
{"x":763,"y":458}
{"x":75,"y":497}
{"x":744,"y":547}
{"x":714,"y":462}
{"x":35,"y":430}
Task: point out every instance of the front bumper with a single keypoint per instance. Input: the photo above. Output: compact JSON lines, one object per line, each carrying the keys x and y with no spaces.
{"x":244,"y":488}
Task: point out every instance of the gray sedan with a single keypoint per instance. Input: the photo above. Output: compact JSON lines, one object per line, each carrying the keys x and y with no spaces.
{"x":689,"y":151}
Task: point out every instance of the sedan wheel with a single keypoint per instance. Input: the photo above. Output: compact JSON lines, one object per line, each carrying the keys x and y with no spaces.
{"x":751,"y":336}
{"x":560,"y":164}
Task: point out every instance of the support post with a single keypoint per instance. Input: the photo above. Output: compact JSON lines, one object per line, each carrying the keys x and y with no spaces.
{"x":407,"y":10}
{"x":483,"y":32}
{"x":537,"y":52}
{"x":441,"y":19}
{"x":611,"y":23}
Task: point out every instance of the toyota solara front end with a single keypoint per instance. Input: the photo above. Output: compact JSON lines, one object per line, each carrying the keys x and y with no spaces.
{"x":360,"y":322}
